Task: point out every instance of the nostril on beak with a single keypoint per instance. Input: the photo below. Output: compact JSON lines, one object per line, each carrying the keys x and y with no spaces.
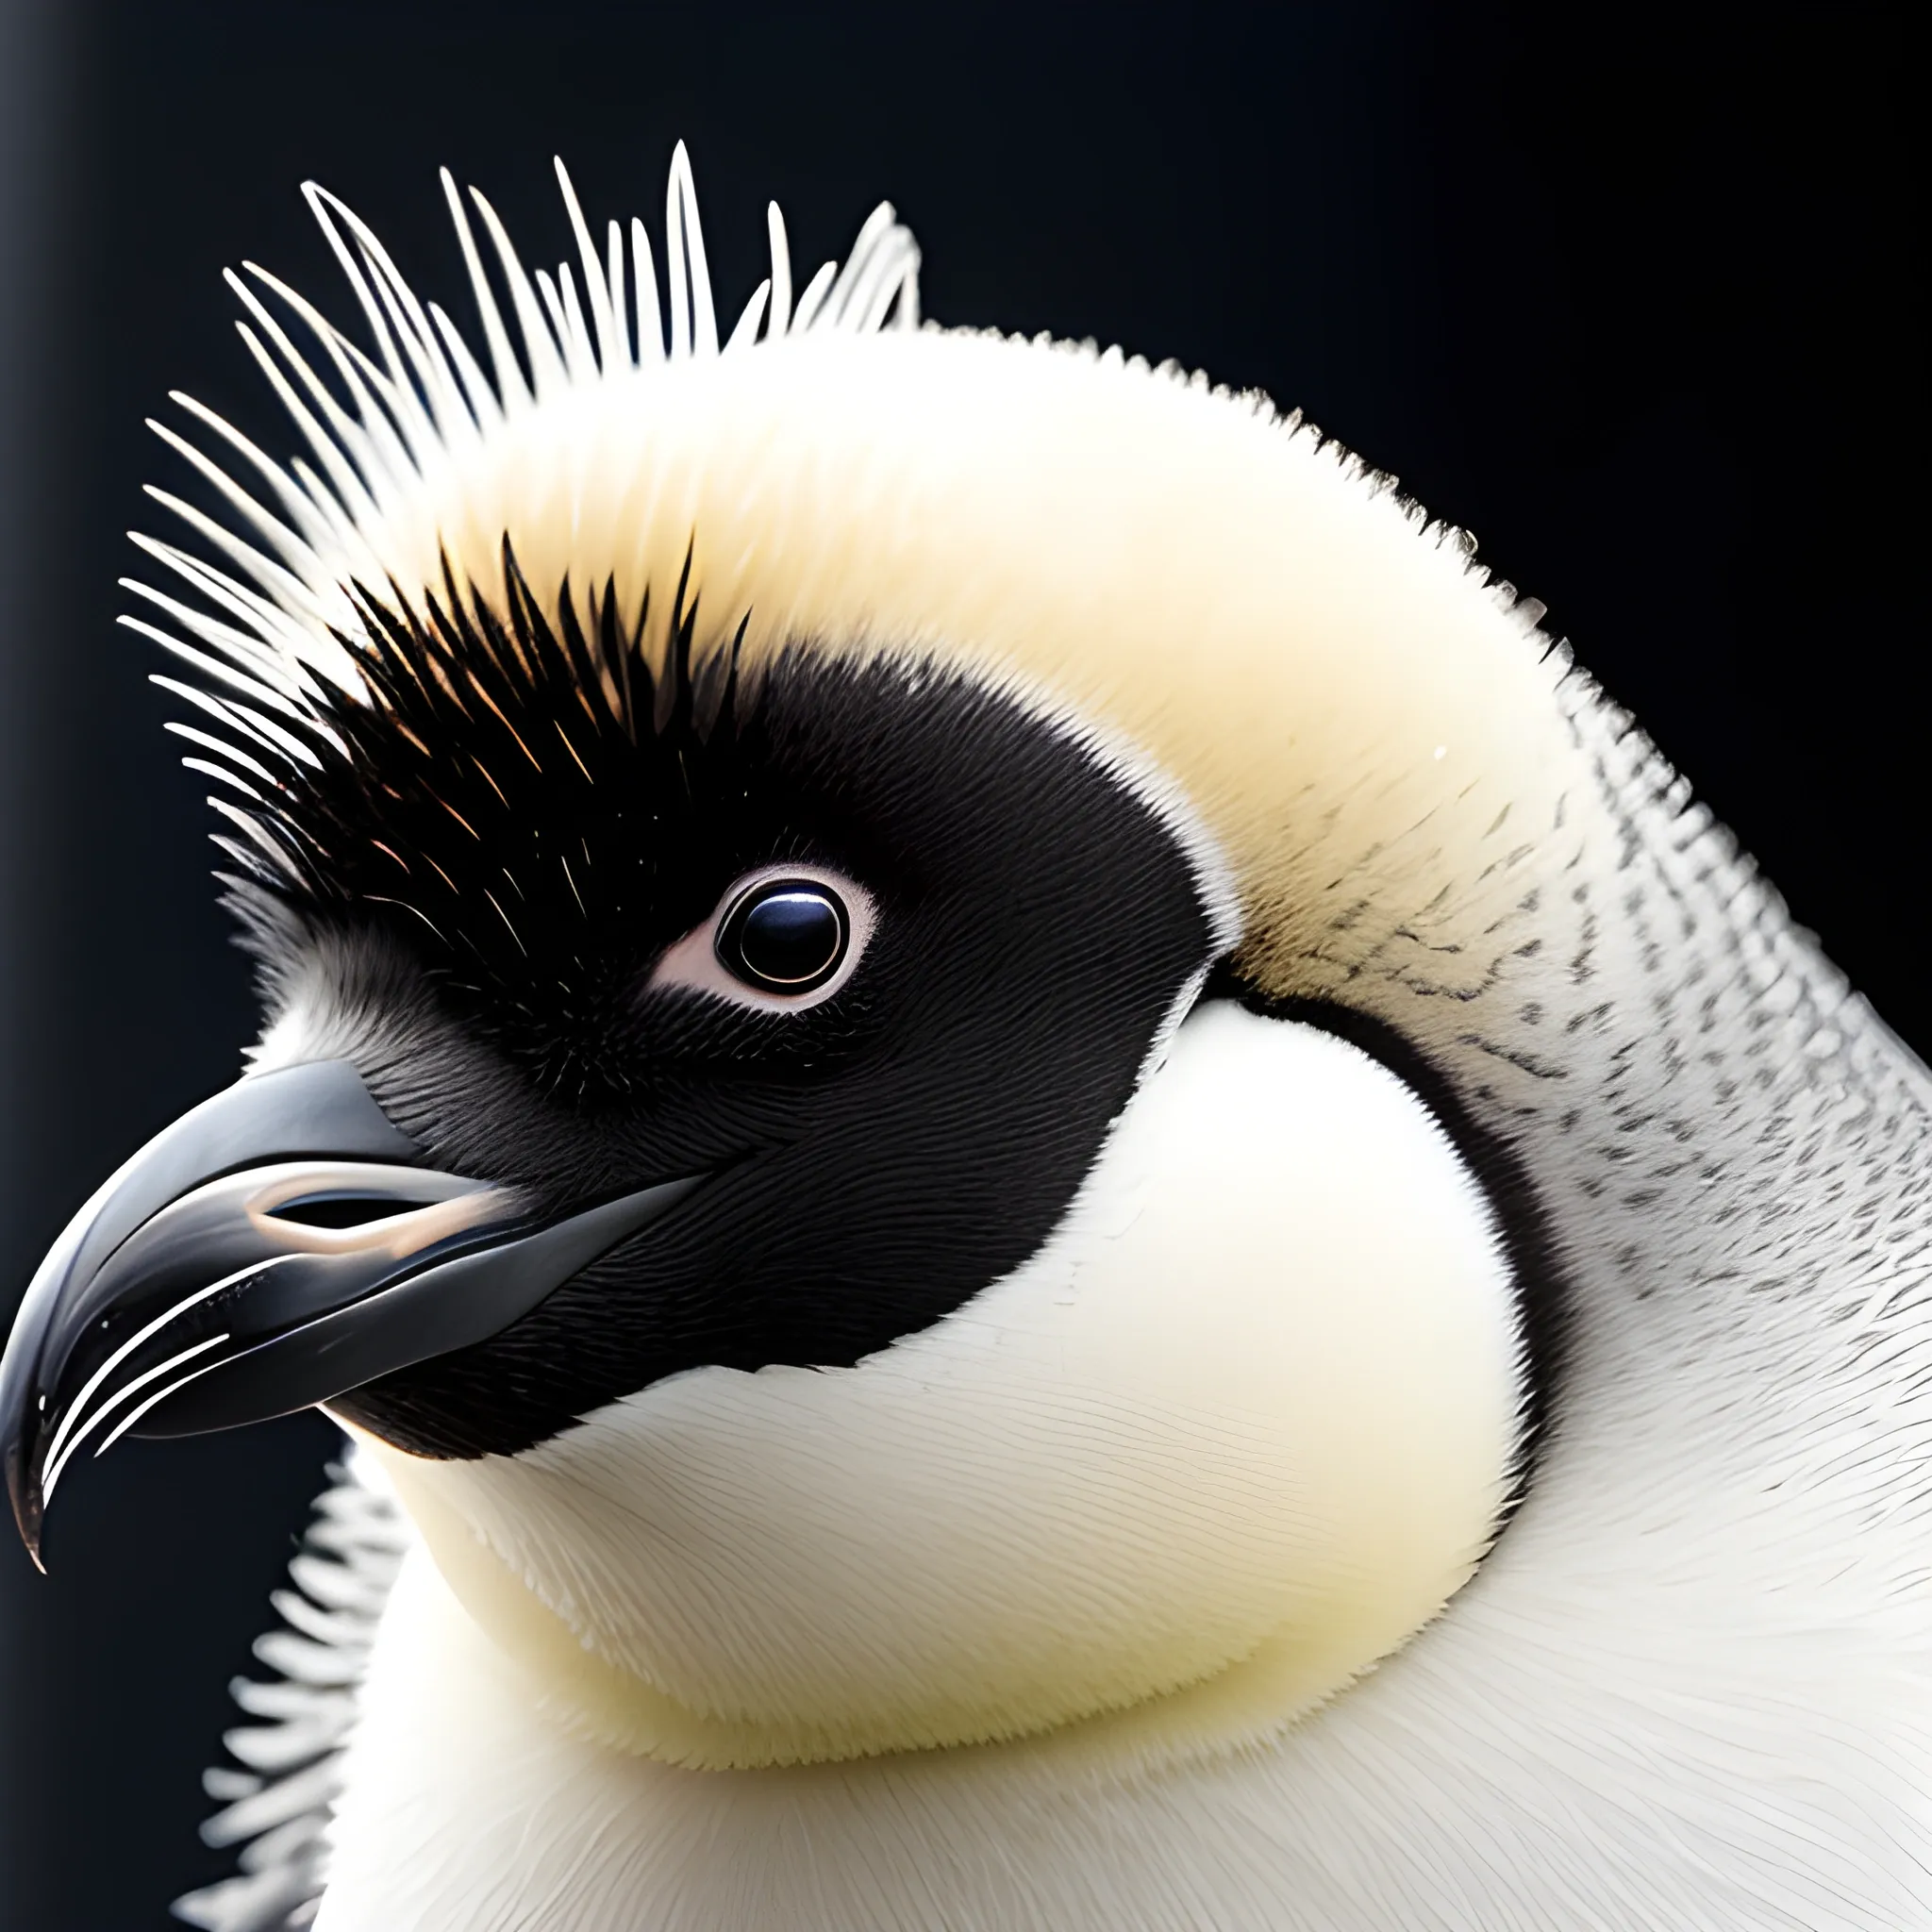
{"x":342,"y":1210}
{"x":329,"y":1208}
{"x":225,"y":1275}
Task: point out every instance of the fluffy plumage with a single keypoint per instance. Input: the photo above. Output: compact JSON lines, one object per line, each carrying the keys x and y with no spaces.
{"x":1691,"y":1685}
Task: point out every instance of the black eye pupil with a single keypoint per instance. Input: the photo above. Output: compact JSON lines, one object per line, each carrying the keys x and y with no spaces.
{"x":786,"y":936}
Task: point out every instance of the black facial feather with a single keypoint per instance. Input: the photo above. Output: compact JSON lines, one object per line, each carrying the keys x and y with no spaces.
{"x":526,"y":804}
{"x":526,"y":817}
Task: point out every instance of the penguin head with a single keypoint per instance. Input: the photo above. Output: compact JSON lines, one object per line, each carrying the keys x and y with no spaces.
{"x":832,"y":915}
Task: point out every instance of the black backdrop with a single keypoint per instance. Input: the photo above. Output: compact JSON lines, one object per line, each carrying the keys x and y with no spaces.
{"x":1631,"y":302}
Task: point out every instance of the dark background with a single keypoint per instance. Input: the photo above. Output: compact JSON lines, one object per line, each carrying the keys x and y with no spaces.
{"x":1630,"y":301}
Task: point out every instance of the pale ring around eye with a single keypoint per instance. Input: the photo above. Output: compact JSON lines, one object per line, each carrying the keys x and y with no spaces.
{"x":780,"y":940}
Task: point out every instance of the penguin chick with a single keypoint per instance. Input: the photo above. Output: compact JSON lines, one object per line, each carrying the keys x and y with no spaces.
{"x":1049,"y":1188}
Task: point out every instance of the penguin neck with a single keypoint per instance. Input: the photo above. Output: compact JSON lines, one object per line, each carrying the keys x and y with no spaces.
{"x":1231,"y":1435}
{"x":461,"y":1749}
{"x":1246,"y":1701}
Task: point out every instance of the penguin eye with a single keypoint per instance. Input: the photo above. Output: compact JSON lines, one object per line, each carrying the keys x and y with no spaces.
{"x":786,"y":935}
{"x":782,"y":939}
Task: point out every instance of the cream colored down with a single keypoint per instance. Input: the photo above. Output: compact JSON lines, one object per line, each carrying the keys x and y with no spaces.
{"x":1254,"y":1405}
{"x":1324,"y":684}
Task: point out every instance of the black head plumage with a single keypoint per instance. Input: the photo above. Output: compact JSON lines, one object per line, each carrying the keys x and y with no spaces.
{"x":529,"y":802}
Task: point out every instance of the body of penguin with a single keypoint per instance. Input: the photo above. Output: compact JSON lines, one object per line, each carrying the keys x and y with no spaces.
{"x":1051,"y":1189}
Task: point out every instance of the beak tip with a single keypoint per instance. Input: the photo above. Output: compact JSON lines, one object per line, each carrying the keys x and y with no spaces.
{"x":29,"y":1505}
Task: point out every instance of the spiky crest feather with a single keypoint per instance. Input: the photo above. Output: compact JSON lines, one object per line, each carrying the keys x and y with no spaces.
{"x":305,"y":628}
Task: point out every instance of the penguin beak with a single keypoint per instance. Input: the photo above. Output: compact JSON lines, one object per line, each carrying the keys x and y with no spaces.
{"x":277,"y":1246}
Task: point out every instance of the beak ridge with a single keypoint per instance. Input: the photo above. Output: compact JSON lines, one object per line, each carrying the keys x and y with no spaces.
{"x":275,"y":1247}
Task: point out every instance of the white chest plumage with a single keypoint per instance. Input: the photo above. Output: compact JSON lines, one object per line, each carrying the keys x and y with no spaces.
{"x":1475,"y":1781}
